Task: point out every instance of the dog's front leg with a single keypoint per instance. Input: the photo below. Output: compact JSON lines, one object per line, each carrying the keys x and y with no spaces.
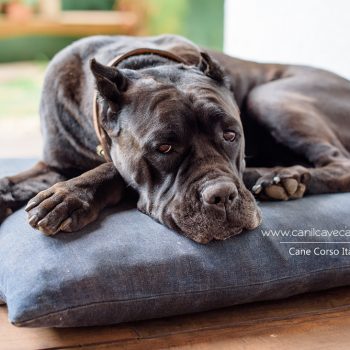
{"x":70,"y":205}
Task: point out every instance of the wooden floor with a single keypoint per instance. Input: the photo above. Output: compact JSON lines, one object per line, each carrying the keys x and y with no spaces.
{"x":311,"y":321}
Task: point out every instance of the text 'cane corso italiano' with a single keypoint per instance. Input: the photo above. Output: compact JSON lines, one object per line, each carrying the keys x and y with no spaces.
{"x":192,"y":132}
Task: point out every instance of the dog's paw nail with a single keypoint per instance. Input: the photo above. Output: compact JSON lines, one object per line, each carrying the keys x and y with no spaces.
{"x":43,"y":231}
{"x":276,"y":180}
{"x":257,"y":189}
{"x":46,"y":232}
{"x":30,"y":206}
{"x":42,"y":222}
{"x":65,"y":224}
{"x":33,"y":219}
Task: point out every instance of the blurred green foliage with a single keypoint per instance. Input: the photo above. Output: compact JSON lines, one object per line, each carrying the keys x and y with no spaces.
{"x":88,"y":4}
{"x":39,"y":48}
{"x":204,"y":23}
{"x":199,"y":20}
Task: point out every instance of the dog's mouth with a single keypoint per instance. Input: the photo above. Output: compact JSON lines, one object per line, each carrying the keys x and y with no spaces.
{"x":219,"y":232}
{"x":202,"y":223}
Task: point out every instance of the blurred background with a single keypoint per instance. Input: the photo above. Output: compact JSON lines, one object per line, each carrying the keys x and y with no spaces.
{"x":309,"y":32}
{"x":32,"y":31}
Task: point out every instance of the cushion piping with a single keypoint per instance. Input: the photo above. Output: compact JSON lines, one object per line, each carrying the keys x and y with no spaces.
{"x":343,"y":307}
{"x":19,"y":323}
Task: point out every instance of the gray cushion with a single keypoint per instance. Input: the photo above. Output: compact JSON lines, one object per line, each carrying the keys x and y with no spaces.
{"x":128,"y":267}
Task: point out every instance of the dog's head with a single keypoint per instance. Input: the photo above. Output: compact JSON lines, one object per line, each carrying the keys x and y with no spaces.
{"x":177,"y":138}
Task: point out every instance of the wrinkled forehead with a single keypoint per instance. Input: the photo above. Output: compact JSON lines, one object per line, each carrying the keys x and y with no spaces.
{"x":179,"y":102}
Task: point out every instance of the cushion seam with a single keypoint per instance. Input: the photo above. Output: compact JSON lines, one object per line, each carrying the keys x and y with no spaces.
{"x":313,"y":312}
{"x":172,"y":294}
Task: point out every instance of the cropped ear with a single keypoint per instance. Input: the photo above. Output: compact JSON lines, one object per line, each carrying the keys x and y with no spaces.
{"x":211,"y":68}
{"x":110,"y":81}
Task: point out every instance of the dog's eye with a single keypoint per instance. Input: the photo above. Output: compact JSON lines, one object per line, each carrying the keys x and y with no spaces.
{"x":165,"y":148}
{"x":229,"y":135}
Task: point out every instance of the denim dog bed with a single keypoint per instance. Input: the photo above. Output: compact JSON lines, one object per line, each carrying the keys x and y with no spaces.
{"x":128,"y":267}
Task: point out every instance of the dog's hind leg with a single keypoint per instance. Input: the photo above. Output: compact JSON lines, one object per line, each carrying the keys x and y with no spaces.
{"x":16,"y":190}
{"x":278,"y":183}
{"x":283,"y":183}
{"x":300,"y":115}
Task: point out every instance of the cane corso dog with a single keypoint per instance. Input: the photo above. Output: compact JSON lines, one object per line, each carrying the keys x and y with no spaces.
{"x":197,"y":134}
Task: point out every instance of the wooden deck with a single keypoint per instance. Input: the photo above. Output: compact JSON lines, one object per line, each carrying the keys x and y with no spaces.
{"x":311,"y":321}
{"x":77,"y":23}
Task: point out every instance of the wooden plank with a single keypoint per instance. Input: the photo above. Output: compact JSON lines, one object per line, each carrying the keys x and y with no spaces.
{"x":322,"y":332}
{"x":248,"y":314}
{"x":310,"y":321}
{"x":97,"y":18}
{"x":111,"y":23}
{"x":14,"y":338}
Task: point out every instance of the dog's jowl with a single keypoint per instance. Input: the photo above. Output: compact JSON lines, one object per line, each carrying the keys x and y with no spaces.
{"x":199,"y":135}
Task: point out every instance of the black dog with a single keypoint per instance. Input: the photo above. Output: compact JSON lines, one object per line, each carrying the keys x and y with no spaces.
{"x":179,"y":126}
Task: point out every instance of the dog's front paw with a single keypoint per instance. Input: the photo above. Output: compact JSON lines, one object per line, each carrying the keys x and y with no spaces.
{"x":282,"y":184}
{"x":62,"y":207}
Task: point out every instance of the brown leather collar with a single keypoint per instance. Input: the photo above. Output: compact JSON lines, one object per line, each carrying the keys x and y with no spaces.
{"x":103,"y":149}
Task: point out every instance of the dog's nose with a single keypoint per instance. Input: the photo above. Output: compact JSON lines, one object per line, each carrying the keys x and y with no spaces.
{"x":219,"y":194}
